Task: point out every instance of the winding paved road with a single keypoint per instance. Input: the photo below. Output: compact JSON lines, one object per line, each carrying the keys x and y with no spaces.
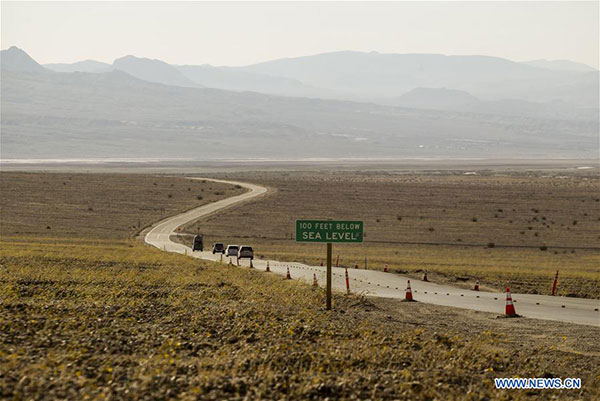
{"x":377,"y":283}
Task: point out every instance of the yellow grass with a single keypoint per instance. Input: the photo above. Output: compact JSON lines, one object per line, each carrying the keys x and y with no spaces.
{"x":418,"y":222}
{"x":115,"y":319}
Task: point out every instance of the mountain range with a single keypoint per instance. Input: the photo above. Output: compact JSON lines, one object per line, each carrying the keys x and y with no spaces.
{"x":385,"y":78}
{"x":139,"y":107}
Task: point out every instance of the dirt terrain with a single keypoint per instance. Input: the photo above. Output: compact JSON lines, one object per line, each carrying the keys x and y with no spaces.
{"x":84,"y":317}
{"x":96,"y":205}
{"x":505,"y":228}
{"x":114,"y":319}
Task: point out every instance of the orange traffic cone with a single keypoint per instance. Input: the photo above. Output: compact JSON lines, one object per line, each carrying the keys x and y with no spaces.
{"x":268,"y":269}
{"x":476,"y":288}
{"x":385,"y":269}
{"x":287,"y":275}
{"x":408,"y":296}
{"x":315,"y":282}
{"x":425,"y":276}
{"x":510,"y":308}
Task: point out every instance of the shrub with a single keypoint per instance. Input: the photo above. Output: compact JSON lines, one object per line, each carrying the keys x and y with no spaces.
{"x":491,"y":245}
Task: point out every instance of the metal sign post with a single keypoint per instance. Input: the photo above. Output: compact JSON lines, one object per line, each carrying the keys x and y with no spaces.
{"x":328,"y":289}
{"x":329,"y":231}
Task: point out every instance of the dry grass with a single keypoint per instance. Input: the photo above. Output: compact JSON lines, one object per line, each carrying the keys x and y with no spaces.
{"x":96,"y":205}
{"x":452,"y":225}
{"x":114,"y":319}
{"x":101,"y":318}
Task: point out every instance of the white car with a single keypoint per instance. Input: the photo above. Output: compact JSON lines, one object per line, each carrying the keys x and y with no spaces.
{"x":247,"y":252}
{"x":232,"y":250}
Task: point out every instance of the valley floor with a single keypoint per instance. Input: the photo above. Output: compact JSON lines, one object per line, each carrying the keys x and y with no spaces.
{"x":504,"y":228}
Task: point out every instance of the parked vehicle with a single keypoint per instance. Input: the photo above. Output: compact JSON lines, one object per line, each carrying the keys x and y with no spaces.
{"x":218,"y":247}
{"x":232,"y":250}
{"x":198,"y":244}
{"x":247,"y":252}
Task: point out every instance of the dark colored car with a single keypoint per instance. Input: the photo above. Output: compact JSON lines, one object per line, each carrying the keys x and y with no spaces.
{"x":218,"y":247}
{"x":198,"y":245}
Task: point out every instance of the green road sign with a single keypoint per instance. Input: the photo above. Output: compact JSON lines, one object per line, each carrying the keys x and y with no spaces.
{"x":329,"y":231}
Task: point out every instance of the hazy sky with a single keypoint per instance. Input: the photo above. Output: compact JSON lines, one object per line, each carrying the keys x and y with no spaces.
{"x":244,"y":33}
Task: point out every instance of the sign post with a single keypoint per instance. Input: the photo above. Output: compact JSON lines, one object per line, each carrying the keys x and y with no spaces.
{"x":329,"y":231}
{"x":329,"y":269}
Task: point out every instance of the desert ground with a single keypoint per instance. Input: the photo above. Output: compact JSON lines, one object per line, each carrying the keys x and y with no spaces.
{"x":505,"y":228}
{"x":99,"y":206}
{"x":89,"y":316}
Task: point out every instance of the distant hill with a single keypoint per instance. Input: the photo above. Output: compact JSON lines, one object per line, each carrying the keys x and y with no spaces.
{"x":15,"y":59}
{"x":114,"y":114}
{"x":79,"y":115}
{"x":436,"y":99}
{"x":373,"y":76}
{"x":560,"y":65}
{"x":146,"y":69}
{"x":461,"y":101}
{"x":229,"y":78}
{"x":386,"y":79}
{"x":80,"y":66}
{"x":195,"y":75}
{"x":152,"y":71}
{"x":383,"y":74}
